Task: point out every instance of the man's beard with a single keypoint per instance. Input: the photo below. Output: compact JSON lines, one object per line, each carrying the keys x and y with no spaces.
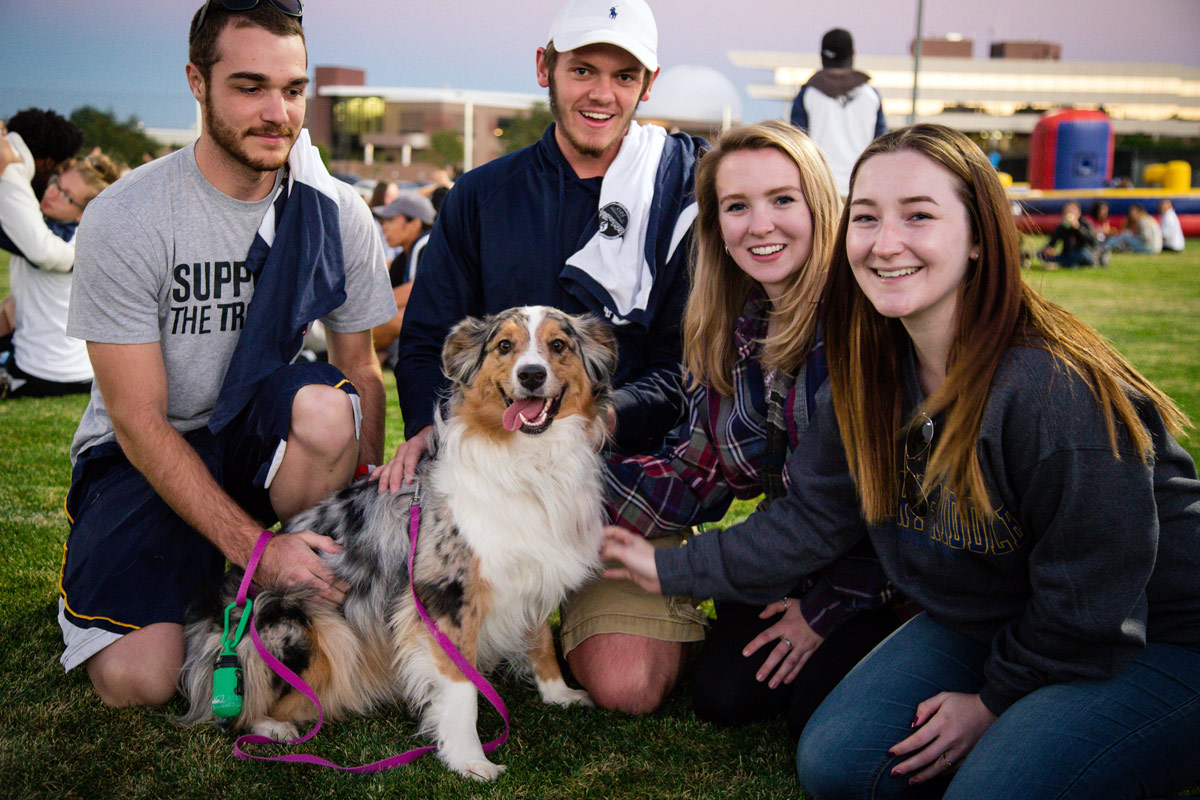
{"x":583,"y":148}
{"x":231,"y":140}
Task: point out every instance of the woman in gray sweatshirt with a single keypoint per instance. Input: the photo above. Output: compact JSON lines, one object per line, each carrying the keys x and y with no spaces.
{"x":1018,"y":479}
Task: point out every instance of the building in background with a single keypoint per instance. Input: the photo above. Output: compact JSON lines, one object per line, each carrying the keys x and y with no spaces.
{"x":395,"y":127}
{"x":391,"y":131}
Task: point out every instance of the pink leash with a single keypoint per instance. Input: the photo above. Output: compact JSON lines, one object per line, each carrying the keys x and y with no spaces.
{"x":297,"y":683}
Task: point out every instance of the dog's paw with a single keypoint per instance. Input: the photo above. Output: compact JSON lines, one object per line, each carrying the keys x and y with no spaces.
{"x":481,"y":770}
{"x":274,"y":729}
{"x":557,"y":693}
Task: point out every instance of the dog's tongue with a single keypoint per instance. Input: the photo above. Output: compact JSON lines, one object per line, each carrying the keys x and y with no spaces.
{"x":530,"y":407}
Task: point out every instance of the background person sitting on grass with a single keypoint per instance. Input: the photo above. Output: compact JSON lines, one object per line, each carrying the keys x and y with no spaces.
{"x":1142,"y":233}
{"x":1172,"y":230}
{"x":1073,"y":242}
{"x":37,"y":358}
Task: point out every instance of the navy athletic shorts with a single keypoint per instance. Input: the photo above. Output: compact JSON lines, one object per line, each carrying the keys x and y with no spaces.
{"x":130,"y":560}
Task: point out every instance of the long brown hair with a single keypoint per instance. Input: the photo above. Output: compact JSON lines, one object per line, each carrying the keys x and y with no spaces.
{"x":996,"y":310}
{"x":719,"y":287}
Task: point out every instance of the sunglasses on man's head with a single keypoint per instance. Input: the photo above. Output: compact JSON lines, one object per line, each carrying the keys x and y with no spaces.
{"x":293,"y":8}
{"x":916,"y":454}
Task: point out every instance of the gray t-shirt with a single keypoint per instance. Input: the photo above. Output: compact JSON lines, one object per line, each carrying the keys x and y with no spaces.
{"x":160,"y":257}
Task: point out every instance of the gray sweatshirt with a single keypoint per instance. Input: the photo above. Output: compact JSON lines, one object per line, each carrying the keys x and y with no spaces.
{"x":1086,"y":558}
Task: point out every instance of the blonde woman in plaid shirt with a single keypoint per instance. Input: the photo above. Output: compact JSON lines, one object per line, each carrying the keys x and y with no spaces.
{"x":754,"y":359}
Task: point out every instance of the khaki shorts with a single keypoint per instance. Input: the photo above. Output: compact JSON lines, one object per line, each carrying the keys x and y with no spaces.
{"x":605,"y":606}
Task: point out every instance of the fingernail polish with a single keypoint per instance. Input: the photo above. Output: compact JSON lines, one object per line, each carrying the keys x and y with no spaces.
{"x":913,"y":781}
{"x":913,"y":724}
{"x":896,"y":773}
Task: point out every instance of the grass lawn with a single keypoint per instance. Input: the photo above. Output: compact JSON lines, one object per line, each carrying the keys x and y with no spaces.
{"x":57,"y":740}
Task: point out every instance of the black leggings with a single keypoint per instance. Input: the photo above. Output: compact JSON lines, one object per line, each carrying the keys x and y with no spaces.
{"x":21,"y":384}
{"x":725,"y":689}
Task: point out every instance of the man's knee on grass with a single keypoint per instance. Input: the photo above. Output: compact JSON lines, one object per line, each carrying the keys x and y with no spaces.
{"x":139,"y":669}
{"x":622,"y":672}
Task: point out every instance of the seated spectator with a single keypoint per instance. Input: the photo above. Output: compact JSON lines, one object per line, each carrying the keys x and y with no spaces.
{"x":1073,"y":243}
{"x":1172,"y":231}
{"x":37,"y":358}
{"x":1101,"y":222}
{"x":406,"y":223}
{"x":1141,"y":235}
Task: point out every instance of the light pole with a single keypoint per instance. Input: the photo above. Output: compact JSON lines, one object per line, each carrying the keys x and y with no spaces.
{"x":912,"y":114}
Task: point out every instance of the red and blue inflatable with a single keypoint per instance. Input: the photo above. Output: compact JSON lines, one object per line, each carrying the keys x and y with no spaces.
{"x":1071,"y":158}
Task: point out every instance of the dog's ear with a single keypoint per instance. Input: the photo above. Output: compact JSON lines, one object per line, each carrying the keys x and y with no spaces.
{"x":597,"y":347}
{"x":465,"y":349}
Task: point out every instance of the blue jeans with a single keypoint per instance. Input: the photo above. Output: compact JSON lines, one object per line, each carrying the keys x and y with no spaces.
{"x":1127,"y":241}
{"x":1074,"y":258}
{"x":1134,"y":735}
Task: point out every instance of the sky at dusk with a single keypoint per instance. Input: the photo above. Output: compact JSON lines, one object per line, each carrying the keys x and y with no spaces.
{"x":129,"y":55}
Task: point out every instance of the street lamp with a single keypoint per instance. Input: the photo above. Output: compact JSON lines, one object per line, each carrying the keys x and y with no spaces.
{"x":912,"y":114}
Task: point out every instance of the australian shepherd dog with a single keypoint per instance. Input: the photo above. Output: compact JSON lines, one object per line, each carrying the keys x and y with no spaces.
{"x":511,"y":517}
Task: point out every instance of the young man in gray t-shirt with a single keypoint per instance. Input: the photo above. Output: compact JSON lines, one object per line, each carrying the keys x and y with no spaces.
{"x":159,"y":497}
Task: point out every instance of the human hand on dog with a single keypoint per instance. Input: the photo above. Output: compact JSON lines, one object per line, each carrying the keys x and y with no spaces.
{"x":634,"y":555}
{"x":948,"y":727}
{"x":291,"y":559}
{"x":401,"y":470}
{"x":795,"y":642}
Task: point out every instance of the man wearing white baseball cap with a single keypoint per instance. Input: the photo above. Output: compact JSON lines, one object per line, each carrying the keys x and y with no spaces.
{"x":594,"y":217}
{"x":628,"y":25}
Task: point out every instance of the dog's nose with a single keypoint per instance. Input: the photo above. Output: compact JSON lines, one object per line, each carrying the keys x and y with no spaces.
{"x":531,"y":376}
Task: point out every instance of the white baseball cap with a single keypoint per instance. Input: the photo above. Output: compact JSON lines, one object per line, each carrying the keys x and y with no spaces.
{"x":628,"y":24}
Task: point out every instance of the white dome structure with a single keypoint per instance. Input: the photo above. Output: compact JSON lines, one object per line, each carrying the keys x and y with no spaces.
{"x":695,"y":94}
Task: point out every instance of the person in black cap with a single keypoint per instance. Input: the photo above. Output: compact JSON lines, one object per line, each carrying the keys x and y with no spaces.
{"x":838,"y":108}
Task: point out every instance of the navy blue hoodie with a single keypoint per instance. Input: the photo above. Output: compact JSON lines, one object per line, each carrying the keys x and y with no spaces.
{"x":502,"y":239}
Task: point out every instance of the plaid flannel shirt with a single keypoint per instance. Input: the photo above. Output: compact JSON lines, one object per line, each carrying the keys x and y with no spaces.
{"x":718,"y":455}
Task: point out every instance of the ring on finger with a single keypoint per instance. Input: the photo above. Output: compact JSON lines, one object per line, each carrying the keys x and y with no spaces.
{"x":946,"y":759}
{"x":786,"y":600}
{"x":787,"y":641}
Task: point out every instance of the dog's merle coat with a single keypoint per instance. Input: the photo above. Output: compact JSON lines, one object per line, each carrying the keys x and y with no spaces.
{"x":511,"y":517}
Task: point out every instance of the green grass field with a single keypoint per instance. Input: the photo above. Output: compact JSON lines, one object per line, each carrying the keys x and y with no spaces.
{"x":58,"y":741}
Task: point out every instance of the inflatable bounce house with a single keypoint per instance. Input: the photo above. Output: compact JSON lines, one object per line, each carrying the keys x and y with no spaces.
{"x":1071,"y":158}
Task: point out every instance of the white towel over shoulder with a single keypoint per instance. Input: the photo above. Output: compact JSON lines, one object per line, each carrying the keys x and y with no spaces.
{"x":616,"y":256}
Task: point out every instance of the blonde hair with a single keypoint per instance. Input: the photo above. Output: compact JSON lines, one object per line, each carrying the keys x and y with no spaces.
{"x":996,"y":311}
{"x":719,"y":287}
{"x":97,"y":171}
